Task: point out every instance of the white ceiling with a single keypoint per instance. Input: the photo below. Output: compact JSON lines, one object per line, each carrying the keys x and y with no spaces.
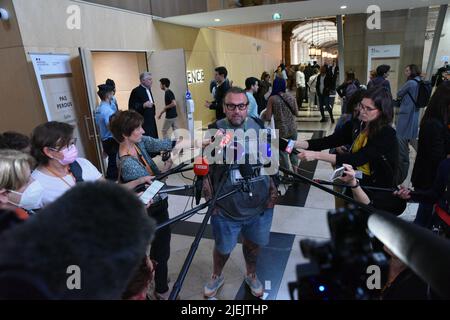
{"x":293,"y":11}
{"x":320,"y":32}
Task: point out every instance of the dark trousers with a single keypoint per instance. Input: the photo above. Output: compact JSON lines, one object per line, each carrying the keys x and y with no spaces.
{"x":111,"y":148}
{"x":324,"y":104}
{"x":424,"y":215}
{"x":306,"y":94}
{"x":160,"y":249}
{"x":300,"y":92}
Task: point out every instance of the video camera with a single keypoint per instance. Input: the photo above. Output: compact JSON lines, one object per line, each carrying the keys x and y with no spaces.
{"x":339,"y":267}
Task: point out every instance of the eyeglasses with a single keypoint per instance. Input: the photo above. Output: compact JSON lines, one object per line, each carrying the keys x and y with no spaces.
{"x":366,"y":108}
{"x":72,"y":142}
{"x":232,"y":107}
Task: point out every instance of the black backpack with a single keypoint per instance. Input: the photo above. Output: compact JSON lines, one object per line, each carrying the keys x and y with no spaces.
{"x":423,"y":98}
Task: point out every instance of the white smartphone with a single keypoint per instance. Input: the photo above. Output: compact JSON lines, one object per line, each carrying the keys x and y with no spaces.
{"x":338,"y":173}
{"x":151,"y":191}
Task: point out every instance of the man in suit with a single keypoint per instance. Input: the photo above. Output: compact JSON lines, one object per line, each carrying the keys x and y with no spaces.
{"x":223,"y":85}
{"x":323,"y":88}
{"x":141,"y":100}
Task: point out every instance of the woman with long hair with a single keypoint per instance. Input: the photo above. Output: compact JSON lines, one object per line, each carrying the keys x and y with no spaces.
{"x":283,"y":107}
{"x":433,"y":147}
{"x":374,"y":148}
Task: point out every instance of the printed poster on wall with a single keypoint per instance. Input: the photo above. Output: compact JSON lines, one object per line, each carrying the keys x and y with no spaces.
{"x":54,"y":76}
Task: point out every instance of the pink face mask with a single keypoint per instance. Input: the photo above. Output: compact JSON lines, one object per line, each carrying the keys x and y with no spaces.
{"x":70,"y":155}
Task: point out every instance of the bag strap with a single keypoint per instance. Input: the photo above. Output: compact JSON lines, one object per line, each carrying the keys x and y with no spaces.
{"x":76,"y":171}
{"x":287,"y":104}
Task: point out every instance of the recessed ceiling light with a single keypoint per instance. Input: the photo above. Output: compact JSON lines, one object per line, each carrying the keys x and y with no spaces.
{"x":217,"y":20}
{"x":343,"y":7}
{"x":276,"y":16}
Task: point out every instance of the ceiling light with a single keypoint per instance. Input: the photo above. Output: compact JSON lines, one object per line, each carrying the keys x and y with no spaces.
{"x":276,"y":16}
{"x":217,"y":20}
{"x":343,"y":7}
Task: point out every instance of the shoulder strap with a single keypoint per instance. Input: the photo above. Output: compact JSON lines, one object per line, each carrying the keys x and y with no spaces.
{"x":287,"y":104}
{"x":259,"y":122}
{"x":77,"y":171}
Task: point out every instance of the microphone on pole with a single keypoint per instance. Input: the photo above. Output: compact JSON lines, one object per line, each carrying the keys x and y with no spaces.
{"x":246,"y":171}
{"x":201,"y":169}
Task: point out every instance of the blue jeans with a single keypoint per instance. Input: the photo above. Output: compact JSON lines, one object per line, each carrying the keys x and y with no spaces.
{"x":226,"y":231}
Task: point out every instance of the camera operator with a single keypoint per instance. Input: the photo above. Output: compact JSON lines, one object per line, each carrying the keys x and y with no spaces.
{"x":402,"y":283}
{"x":247,"y":213}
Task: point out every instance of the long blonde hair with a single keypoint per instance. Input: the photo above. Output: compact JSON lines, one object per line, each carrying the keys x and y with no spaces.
{"x":15,"y":167}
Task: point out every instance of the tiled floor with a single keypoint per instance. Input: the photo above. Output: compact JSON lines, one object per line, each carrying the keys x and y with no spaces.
{"x":290,"y":225}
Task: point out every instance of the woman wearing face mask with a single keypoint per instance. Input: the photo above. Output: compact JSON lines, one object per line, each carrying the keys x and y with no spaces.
{"x":19,"y":194}
{"x":59,"y":167}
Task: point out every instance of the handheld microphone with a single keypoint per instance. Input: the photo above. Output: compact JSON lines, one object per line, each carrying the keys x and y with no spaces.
{"x":288,"y":146}
{"x":201,"y":169}
{"x":246,"y":171}
{"x":226,"y":139}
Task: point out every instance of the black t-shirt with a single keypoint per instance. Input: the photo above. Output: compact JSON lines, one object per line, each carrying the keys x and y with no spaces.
{"x":172,"y":112}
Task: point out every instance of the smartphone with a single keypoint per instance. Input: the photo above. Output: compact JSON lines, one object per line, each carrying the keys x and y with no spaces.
{"x":290,"y":146}
{"x":338,"y":173}
{"x":151,"y":191}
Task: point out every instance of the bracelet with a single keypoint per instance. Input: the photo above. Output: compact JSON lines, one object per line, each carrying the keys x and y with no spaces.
{"x":357,"y":184}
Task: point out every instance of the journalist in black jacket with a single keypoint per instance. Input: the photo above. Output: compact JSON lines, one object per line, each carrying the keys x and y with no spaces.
{"x":374,"y":144}
{"x":433,"y":145}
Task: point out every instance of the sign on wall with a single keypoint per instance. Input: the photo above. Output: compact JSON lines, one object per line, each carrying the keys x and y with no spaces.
{"x":196,"y":76}
{"x":377,"y":52}
{"x":54,"y":76}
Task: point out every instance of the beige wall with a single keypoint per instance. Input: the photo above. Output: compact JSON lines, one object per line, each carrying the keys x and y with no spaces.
{"x":403,"y":27}
{"x":123,"y":67}
{"x":18,"y":110}
{"x":209,"y":48}
{"x":42,"y":26}
{"x":271,"y":32}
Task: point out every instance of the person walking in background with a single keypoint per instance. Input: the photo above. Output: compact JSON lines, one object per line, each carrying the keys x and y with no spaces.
{"x":264,"y":88}
{"x":407,"y":124}
{"x":251,"y":88}
{"x":300,"y":82}
{"x":142,"y":101}
{"x":103,"y":113}
{"x":381,"y":78}
{"x":323,"y":89}
{"x":170,"y":110}
{"x":283,"y":106}
{"x":312,"y":83}
{"x":347,"y":89}
{"x":223,"y":85}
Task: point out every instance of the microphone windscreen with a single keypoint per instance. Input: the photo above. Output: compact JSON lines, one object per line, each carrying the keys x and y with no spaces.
{"x":201,"y":166}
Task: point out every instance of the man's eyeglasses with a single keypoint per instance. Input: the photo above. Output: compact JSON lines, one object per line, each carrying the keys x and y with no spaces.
{"x":72,"y":142}
{"x":366,"y":108}
{"x":232,"y":107}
